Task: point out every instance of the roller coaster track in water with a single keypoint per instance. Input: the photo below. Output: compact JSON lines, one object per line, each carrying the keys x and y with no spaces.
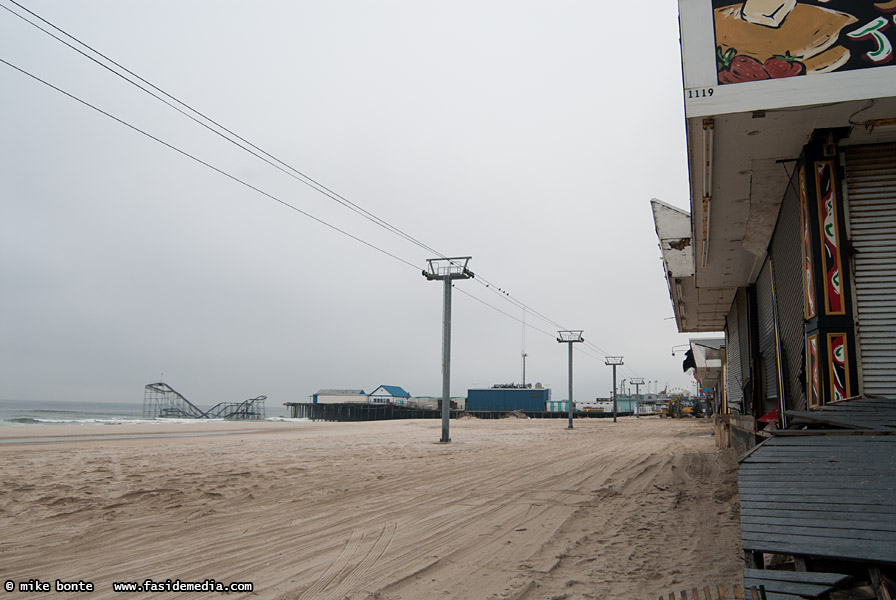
{"x":161,"y":401}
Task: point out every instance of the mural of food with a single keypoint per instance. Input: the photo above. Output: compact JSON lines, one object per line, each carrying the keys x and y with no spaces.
{"x":772,"y":39}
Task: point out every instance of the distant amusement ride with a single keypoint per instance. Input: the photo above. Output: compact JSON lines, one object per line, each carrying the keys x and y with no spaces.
{"x":161,"y":401}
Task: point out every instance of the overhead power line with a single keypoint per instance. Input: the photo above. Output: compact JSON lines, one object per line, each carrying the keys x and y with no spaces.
{"x":240,"y":141}
{"x":550,"y":334}
{"x":505,"y":313}
{"x":245,"y":183}
{"x":244,"y":144}
{"x":209,"y":165}
{"x":249,"y":147}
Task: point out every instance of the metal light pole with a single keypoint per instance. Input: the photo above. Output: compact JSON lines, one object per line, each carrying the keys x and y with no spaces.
{"x":447,"y":270}
{"x":638,"y":382}
{"x":614,"y":361}
{"x":621,"y":388}
{"x":524,"y":368}
{"x":570,"y":337}
{"x":523,"y":347}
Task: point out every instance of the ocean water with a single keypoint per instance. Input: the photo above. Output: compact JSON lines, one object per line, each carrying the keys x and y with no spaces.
{"x":24,"y":413}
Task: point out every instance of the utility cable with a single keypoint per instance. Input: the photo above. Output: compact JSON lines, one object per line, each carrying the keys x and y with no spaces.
{"x":244,"y":183}
{"x":260,"y":154}
{"x":517,"y":319}
{"x":252,"y":148}
{"x":253,"y":188}
{"x":209,"y":165}
{"x":506,"y":314}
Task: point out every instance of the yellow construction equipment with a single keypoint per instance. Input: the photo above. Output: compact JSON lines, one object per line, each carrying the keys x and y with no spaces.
{"x":678,"y":405}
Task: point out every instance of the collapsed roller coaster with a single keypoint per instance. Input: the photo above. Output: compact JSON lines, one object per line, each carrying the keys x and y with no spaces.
{"x":161,"y":401}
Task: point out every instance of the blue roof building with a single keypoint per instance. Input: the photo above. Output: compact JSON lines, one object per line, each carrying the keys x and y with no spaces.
{"x":386,"y":394}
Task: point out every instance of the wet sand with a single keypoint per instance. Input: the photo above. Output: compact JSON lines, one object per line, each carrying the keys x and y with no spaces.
{"x":512,"y":508}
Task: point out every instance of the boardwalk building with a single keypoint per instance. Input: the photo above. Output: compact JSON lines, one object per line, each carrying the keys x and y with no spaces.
{"x":788,"y":246}
{"x":339,"y":397}
{"x":388,"y":394}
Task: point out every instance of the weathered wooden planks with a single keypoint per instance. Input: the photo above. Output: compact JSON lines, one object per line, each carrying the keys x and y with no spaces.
{"x":859,"y":414}
{"x":797,"y":513}
{"x":848,"y":521}
{"x":849,"y":533}
{"x":793,"y":584}
{"x":798,"y":576}
{"x":808,"y":497}
{"x":873,"y":511}
{"x":832,"y":497}
{"x":783,"y":433}
{"x":720,"y":593}
{"x":821,"y":546}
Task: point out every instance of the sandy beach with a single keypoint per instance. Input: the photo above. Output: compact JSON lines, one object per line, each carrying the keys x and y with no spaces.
{"x":511,"y":509}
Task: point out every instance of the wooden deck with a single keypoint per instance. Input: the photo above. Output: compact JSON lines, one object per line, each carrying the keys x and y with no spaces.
{"x":386,"y":412}
{"x":873,"y":414}
{"x":821,"y":496}
{"x":791,"y":585}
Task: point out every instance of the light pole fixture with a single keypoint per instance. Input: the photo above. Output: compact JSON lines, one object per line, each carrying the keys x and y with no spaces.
{"x":614,"y":361}
{"x":524,"y":368}
{"x":570,"y":337}
{"x":447,"y":270}
{"x":637,"y":382}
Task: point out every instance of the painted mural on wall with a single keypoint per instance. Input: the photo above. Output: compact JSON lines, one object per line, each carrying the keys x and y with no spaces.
{"x":830,"y":237}
{"x":808,"y":269}
{"x":839,"y":366}
{"x":771,"y":39}
{"x":814,"y":376}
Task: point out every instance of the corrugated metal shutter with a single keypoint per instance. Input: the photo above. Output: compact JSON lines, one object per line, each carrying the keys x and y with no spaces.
{"x":733,"y":369}
{"x":871,"y":187}
{"x":787,"y":257}
{"x":745,"y":332}
{"x":765,"y":321}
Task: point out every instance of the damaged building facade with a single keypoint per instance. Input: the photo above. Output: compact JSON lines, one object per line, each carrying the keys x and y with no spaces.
{"x":789,"y":247}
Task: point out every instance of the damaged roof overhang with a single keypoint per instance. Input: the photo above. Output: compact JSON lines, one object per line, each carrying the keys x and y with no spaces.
{"x":673,"y":229}
{"x":708,"y":358}
{"x":695,"y":309}
{"x":752,"y":157}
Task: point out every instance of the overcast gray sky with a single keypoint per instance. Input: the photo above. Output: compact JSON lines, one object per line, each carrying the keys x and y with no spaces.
{"x":530,"y":135}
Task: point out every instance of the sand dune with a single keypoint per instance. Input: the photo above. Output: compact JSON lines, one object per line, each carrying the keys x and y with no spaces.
{"x":511,"y":508}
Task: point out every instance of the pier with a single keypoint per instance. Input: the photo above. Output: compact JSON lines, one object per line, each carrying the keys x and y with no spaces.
{"x":385,"y":412}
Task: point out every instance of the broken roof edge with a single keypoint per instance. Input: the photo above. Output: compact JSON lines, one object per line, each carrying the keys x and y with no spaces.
{"x":673,"y":229}
{"x":664,"y":204}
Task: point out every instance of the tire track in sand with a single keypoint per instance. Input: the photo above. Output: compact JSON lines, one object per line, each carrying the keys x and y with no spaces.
{"x":351,"y":565}
{"x":345,"y":555}
{"x":350,"y":581}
